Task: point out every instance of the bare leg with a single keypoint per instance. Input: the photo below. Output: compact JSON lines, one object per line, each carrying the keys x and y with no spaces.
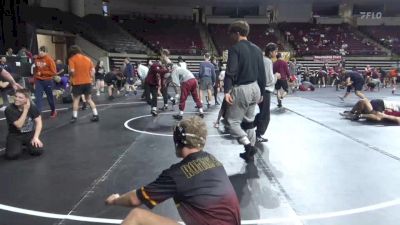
{"x":102,"y":85}
{"x":201,"y":95}
{"x":362,"y":107}
{"x":98,"y":84}
{"x":210,"y":96}
{"x":75,"y":103}
{"x":83,"y":102}
{"x":390,"y":118}
{"x":75,"y":107}
{"x":110,"y":90}
{"x":360,"y":94}
{"x":91,"y":103}
{"x":83,"y":98}
{"x":140,"y":216}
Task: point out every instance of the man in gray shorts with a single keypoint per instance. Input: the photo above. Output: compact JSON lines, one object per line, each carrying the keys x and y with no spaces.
{"x":207,"y":78}
{"x":244,"y":80}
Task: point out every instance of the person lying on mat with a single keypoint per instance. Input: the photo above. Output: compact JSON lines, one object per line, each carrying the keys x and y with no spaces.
{"x":376,"y":110}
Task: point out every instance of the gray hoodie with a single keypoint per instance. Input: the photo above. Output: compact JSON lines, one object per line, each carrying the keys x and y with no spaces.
{"x":270,"y":76}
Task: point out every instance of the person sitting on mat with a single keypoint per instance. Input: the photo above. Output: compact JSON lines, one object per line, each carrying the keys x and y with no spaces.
{"x":198,"y":184}
{"x":376,"y":110}
{"x":24,"y":126}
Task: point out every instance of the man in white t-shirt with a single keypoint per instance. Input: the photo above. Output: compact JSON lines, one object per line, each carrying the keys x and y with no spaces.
{"x":181,"y":62}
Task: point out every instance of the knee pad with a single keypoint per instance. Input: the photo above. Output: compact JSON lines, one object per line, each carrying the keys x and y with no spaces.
{"x":12,"y":156}
{"x":36,"y":151}
{"x":247,"y":125}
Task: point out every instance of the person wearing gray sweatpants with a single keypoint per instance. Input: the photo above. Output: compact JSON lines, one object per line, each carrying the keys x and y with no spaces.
{"x":244,"y":80}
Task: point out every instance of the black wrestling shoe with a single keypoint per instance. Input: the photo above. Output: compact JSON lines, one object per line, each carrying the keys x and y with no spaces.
{"x":95,"y":118}
{"x":173,"y":102}
{"x":249,"y":153}
{"x":247,"y":158}
{"x":279,"y":103}
{"x":177,"y":117}
{"x":217,"y":103}
{"x":73,"y":120}
{"x":350,"y":116}
{"x":201,"y":115}
{"x":84,"y":106}
{"x":260,"y":139}
{"x":154,"y":113}
{"x":250,"y":150}
{"x":355,"y":117}
{"x":164,"y":108}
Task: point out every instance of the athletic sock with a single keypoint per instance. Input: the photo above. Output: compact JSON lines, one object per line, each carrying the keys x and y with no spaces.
{"x":75,"y":114}
{"x":95,"y":111}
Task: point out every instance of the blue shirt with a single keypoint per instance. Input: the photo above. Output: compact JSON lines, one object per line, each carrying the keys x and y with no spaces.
{"x":128,"y":71}
{"x":207,"y":69}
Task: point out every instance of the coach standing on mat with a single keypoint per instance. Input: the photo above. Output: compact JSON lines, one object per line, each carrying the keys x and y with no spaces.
{"x":81,"y":71}
{"x":245,"y":69}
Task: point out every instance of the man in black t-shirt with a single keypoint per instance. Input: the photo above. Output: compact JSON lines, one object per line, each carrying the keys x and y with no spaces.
{"x":244,"y":81}
{"x":353,"y":80}
{"x":198,"y":184}
{"x":24,"y":126}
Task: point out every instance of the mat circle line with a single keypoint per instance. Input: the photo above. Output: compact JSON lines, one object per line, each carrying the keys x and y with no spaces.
{"x":126,"y":124}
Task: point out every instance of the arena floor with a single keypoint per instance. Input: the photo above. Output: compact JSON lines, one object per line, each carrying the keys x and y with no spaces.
{"x":316,"y":169}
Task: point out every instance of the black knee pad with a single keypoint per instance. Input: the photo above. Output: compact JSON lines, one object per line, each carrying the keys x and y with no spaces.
{"x":36,"y":151}
{"x":247,"y":125}
{"x":11,"y":156}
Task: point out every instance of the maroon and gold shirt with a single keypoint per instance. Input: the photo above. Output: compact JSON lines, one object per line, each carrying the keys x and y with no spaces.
{"x":201,"y":190}
{"x":156,"y":72}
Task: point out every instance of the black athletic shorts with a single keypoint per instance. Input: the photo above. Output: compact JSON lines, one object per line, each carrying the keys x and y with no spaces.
{"x":378,"y":105}
{"x":358,"y":85}
{"x":83,"y":89}
{"x":99,"y":76}
{"x":110,"y":79}
{"x":282,"y":84}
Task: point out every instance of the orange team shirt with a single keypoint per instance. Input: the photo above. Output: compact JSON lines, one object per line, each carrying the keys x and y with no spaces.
{"x":82,"y":67}
{"x":45,"y":68}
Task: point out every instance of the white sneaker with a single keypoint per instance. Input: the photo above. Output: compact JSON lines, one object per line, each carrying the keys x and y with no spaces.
{"x":98,"y":93}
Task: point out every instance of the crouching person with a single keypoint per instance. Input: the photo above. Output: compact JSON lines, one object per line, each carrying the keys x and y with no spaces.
{"x":24,"y":126}
{"x":198,"y":184}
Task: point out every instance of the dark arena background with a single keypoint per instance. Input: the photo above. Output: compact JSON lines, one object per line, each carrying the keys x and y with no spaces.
{"x":323,"y":163}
